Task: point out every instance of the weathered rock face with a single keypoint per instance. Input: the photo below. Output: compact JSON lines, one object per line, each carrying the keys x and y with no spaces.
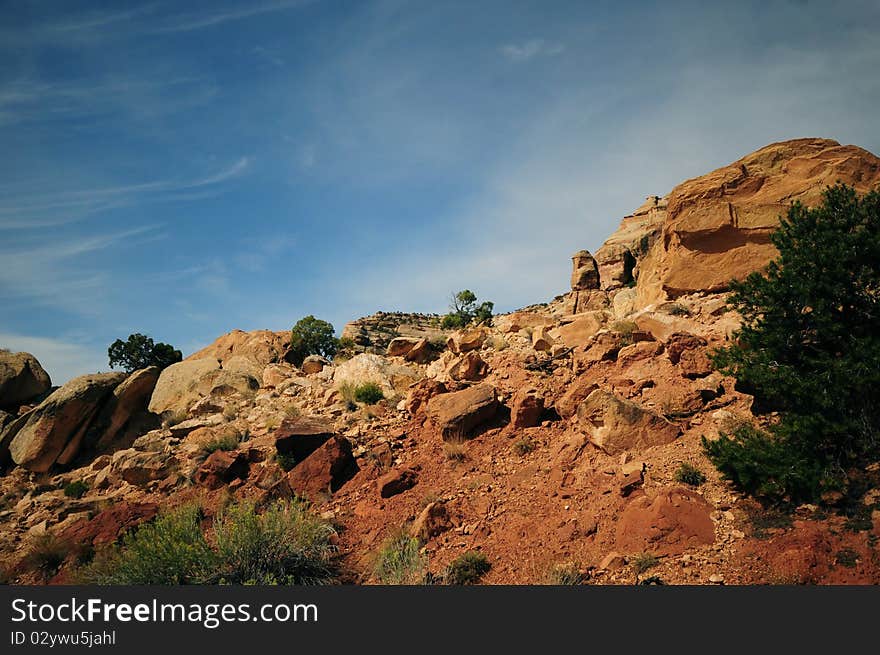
{"x":527,"y":408}
{"x":715,"y":228}
{"x":585,"y":272}
{"x":616,"y":425}
{"x":21,"y":379}
{"x":126,"y":408}
{"x":459,"y":414}
{"x":618,"y":257}
{"x":55,"y":429}
{"x":373,"y":334}
{"x":221,"y":468}
{"x":667,"y":524}
{"x":261,"y":347}
{"x":302,"y":436}
{"x":367,"y":367}
{"x":183,"y":384}
{"x":325,"y":470}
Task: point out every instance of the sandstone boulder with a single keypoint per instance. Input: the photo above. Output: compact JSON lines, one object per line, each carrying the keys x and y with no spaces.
{"x":400,"y":346}
{"x":516,"y":321}
{"x":21,"y":379}
{"x":420,"y":353}
{"x":142,"y":467}
{"x":616,"y":425}
{"x":367,"y":367}
{"x":667,"y":524}
{"x":469,"y":367}
{"x":126,"y":408}
{"x":374,"y":333}
{"x":260,"y":347}
{"x":325,"y":470}
{"x":580,"y":331}
{"x":526,"y":408}
{"x":56,"y":428}
{"x":106,"y":526}
{"x":717,"y":227}
{"x":541,"y":339}
{"x":432,"y":521}
{"x":462,"y":342}
{"x":314,"y":364}
{"x":301,"y":436}
{"x":396,"y":482}
{"x":421,"y":392}
{"x":458,"y":415}
{"x":221,"y":468}
{"x":183,"y":384}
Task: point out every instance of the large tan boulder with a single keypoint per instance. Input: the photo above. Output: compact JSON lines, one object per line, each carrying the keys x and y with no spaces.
{"x":458,"y":415}
{"x":183,"y":384}
{"x":57,"y":426}
{"x":616,"y":425}
{"x":715,"y":228}
{"x":124,"y":409}
{"x":367,"y":367}
{"x":618,"y":257}
{"x":580,"y":330}
{"x":261,"y":347}
{"x":466,"y":340}
{"x":516,"y":321}
{"x":668,"y":523}
{"x":21,"y":379}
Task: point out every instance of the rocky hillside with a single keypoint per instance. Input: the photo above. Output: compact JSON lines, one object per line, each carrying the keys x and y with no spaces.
{"x":566,"y":435}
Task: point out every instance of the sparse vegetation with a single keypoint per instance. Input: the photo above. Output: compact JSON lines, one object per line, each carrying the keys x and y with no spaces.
{"x":368,"y":393}
{"x":46,"y":552}
{"x":292,"y":411}
{"x":809,"y":349}
{"x":464,"y":311}
{"x":286,"y":544}
{"x":76,"y":488}
{"x":226,"y":441}
{"x":643,"y":562}
{"x":523,"y":446}
{"x":689,"y":474}
{"x":139,"y":351}
{"x":455,"y":451}
{"x":847,"y":557}
{"x":763,"y":520}
{"x":173,"y":418}
{"x":625,"y":329}
{"x":565,"y":573}
{"x":468,"y":568}
{"x":400,"y":562}
{"x":676,"y":309}
{"x":285,"y":460}
{"x":312,"y":336}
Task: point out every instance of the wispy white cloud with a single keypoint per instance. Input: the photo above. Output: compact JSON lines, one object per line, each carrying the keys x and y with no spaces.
{"x":199,"y":21}
{"x":39,"y":209}
{"x":60,"y":272}
{"x":519,"y":52}
{"x":61,"y":358}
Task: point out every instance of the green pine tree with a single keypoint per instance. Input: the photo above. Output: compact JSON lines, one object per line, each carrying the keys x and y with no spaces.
{"x":809,"y":349}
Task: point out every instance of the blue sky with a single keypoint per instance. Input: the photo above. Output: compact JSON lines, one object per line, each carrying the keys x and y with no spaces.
{"x":186,"y":168}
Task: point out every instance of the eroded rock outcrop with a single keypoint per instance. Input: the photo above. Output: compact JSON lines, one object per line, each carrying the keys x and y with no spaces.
{"x":55,"y":429}
{"x":716,"y":227}
{"x":21,"y":379}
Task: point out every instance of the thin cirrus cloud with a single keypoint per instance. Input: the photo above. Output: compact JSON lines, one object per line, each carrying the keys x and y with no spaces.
{"x":192,"y":22}
{"x":67,"y":207}
{"x":520,"y":52}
